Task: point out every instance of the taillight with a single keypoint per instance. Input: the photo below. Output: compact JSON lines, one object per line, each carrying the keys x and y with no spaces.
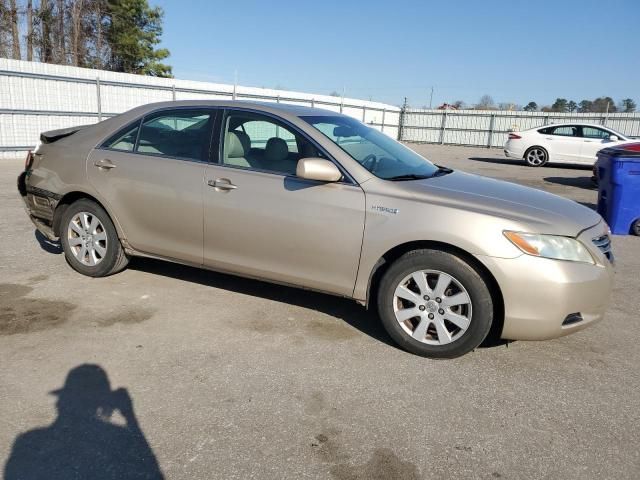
{"x":29,"y":160}
{"x":513,"y":136}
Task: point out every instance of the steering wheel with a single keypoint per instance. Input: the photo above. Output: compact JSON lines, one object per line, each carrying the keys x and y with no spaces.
{"x":370,"y":162}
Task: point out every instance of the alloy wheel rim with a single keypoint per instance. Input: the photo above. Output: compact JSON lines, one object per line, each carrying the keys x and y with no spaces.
{"x":432,"y":307}
{"x":87,"y":238}
{"x":536,"y":157}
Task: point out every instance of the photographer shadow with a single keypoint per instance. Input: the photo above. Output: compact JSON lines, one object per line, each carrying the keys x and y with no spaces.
{"x":84,"y":441}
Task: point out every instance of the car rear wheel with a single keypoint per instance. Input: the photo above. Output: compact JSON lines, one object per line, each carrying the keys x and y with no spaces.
{"x":90,"y":240}
{"x":536,"y":157}
{"x":434,"y":304}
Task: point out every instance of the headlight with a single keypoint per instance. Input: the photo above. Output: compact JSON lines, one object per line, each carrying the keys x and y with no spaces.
{"x":550,"y":246}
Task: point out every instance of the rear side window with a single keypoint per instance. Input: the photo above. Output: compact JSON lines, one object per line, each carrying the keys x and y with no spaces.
{"x":565,"y":131}
{"x":124,"y":140}
{"x":177,"y":133}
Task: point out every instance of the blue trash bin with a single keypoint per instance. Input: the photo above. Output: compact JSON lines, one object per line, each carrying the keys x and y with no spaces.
{"x":619,"y":188}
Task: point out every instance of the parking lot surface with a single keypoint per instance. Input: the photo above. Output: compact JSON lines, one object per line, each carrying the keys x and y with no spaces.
{"x":234,"y":378}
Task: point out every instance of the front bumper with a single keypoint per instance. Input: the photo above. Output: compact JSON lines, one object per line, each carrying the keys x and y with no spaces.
{"x":40,"y":206}
{"x":541,"y":295}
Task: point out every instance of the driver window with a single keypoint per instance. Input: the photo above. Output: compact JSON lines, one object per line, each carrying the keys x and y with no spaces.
{"x":593,"y":132}
{"x":260,"y":142}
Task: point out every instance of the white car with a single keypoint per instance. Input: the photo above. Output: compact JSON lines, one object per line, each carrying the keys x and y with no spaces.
{"x":561,"y":143}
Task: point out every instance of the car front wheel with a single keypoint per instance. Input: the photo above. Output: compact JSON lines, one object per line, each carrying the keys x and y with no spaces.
{"x":434,"y":304}
{"x":90,"y":240}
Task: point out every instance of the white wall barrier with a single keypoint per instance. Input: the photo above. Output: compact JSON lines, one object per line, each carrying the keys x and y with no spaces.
{"x":35,"y":97}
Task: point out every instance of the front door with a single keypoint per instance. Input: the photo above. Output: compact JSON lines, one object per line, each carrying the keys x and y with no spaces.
{"x":150,"y":175}
{"x":594,"y":139}
{"x":261,"y":220}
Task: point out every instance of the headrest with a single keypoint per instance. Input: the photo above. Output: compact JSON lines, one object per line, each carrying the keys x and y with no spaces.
{"x":234,"y":146}
{"x":276,"y":149}
{"x":245,"y":140}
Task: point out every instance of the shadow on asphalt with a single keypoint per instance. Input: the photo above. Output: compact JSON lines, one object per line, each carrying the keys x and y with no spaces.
{"x":366,"y":321}
{"x":518,"y":163}
{"x":577,"y":182}
{"x":84,"y":441}
{"x":345,"y":309}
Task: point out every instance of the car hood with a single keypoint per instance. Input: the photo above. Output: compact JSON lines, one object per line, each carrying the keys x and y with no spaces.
{"x":535,"y":210}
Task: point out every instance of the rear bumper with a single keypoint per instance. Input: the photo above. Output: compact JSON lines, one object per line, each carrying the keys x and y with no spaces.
{"x":512,"y":149}
{"x":40,"y":205}
{"x":542,"y":297}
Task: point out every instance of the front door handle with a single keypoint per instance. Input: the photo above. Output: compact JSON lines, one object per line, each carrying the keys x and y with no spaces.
{"x":222,"y":184}
{"x":105,"y":164}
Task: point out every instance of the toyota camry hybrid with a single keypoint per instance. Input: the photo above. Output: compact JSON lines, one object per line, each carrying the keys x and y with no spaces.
{"x":315,"y":199}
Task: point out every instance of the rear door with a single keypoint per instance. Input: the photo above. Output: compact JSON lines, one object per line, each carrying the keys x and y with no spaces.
{"x":564,"y":143}
{"x":150,"y":174}
{"x":261,"y":220}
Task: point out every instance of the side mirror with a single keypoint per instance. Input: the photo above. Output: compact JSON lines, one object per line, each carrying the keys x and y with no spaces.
{"x":314,"y":168}
{"x":613,"y":138}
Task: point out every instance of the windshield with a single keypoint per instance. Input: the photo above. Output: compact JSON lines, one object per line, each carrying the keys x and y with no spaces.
{"x":618,"y":134}
{"x":374,"y":150}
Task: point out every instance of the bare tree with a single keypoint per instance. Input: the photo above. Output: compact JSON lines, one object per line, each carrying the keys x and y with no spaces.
{"x":77,"y":31}
{"x":486,"y":103}
{"x":15,"y":36}
{"x":4,"y":29}
{"x":45,"y":15}
{"x":60,"y":33}
{"x":29,"y":30}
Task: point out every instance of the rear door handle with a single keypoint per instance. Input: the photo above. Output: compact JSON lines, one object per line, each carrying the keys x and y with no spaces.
{"x":105,"y":164}
{"x":222,"y":184}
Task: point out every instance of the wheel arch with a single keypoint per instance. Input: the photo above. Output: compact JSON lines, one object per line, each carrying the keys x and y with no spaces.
{"x":387,"y":259}
{"x":73,"y":196}
{"x":542,"y":147}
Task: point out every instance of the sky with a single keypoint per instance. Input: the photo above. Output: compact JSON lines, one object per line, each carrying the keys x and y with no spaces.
{"x":516,"y":51}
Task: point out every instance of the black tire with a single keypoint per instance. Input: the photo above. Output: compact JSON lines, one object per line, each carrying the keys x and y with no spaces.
{"x":542,"y":157}
{"x":474,"y":283}
{"x":115,"y":258}
{"x":635,"y":227}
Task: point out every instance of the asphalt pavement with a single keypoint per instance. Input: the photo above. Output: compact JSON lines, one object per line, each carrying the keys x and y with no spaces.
{"x":221,"y":377}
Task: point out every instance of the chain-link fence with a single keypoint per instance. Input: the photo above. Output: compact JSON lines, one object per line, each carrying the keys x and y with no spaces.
{"x":36,"y":97}
{"x":490,"y":128}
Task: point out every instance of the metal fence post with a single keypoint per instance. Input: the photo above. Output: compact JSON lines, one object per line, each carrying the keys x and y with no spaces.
{"x":443,"y":126}
{"x":364,"y":114}
{"x":403,"y":112}
{"x":313,"y":103}
{"x":173,"y":92}
{"x":491,"y":126}
{"x":384,"y":110}
{"x":99,"y":99}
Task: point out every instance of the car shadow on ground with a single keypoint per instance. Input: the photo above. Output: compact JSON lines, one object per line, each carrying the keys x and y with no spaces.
{"x":577,"y":182}
{"x":520,"y":163}
{"x":355,"y":315}
{"x":345,"y":309}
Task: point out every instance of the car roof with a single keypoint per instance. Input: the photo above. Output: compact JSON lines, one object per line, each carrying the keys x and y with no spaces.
{"x":571,"y":124}
{"x":270,"y":107}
